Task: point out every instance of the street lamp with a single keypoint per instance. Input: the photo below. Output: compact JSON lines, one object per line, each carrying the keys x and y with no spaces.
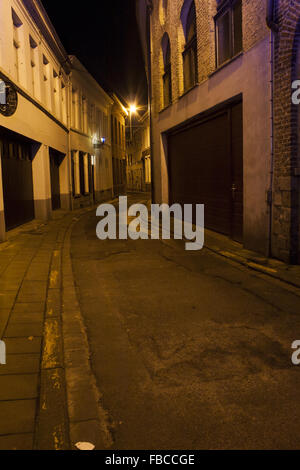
{"x":133,"y":109}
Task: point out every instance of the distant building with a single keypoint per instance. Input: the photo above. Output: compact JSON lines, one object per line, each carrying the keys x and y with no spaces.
{"x":139,"y":156}
{"x":118,"y":138}
{"x":224,"y":130}
{"x":90,"y":138}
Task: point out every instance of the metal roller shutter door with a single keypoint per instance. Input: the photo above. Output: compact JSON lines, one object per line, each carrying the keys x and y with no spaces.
{"x":205,"y":162}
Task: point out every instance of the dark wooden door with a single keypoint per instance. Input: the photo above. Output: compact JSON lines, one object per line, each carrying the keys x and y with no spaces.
{"x":17,"y":182}
{"x":81,"y":173}
{"x":55,"y":161}
{"x":205,"y":161}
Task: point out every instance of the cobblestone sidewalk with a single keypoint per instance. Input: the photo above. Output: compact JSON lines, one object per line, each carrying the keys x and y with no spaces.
{"x":38,"y":410}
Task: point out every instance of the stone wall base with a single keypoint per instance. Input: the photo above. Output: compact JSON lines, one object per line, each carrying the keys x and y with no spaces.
{"x":43,"y":209}
{"x":65,"y":200}
{"x":82,"y":201}
{"x":2,"y":227}
{"x":102,"y":196}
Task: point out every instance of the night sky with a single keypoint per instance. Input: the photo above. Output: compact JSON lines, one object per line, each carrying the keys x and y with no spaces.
{"x":104,"y":36}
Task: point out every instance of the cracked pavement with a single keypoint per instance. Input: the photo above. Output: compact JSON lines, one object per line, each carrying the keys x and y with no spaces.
{"x":189,"y":350}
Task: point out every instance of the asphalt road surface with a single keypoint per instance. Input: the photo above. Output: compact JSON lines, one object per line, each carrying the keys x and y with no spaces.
{"x":190,"y":351}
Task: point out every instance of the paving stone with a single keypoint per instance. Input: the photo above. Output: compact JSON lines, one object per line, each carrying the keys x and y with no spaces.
{"x":52,"y":431}
{"x":13,"y":274}
{"x":81,"y":398}
{"x":76,"y":357}
{"x":29,"y":307}
{"x":17,"y":417}
{"x":18,"y":387}
{"x":53,"y":308}
{"x":9,"y":285}
{"x":23,"y":345}
{"x":16,"y":442}
{"x":72,"y":343}
{"x":53,"y":344}
{"x":43,"y":258}
{"x":54,"y":279}
{"x":16,"y":318}
{"x":32,"y":291}
{"x":20,"y":266}
{"x":4,"y":315}
{"x":70,"y":296}
{"x":7,"y":300}
{"x":24,"y":313}
{"x":12,"y":279}
{"x":88,"y":431}
{"x":21,"y":364}
{"x":38,"y":272}
{"x":21,"y":330}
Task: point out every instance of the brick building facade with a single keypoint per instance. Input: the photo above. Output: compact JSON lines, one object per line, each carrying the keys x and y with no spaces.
{"x":286,"y":191}
{"x":245,"y":53}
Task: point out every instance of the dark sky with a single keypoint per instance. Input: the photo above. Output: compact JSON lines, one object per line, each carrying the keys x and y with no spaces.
{"x":104,"y":36}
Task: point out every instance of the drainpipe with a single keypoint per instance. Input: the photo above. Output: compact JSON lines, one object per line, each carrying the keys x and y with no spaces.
{"x":149,"y":57}
{"x":271,"y":23}
{"x":274,"y":28}
{"x":69,"y":111}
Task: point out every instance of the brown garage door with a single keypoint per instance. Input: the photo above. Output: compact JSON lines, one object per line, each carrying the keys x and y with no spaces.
{"x":206,"y":167}
{"x":17,"y":180}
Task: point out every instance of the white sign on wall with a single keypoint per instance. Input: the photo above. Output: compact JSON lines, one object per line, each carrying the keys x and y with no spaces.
{"x":2,"y":353}
{"x":2,"y":92}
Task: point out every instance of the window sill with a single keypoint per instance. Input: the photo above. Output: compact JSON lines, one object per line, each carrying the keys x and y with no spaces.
{"x":188,"y":91}
{"x":225,"y":64}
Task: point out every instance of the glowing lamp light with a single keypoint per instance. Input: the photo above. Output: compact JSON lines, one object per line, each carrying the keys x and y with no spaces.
{"x":133,"y":109}
{"x":103,"y":140}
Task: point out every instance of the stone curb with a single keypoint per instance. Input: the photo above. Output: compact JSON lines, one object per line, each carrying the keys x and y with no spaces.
{"x":88,"y":421}
{"x":252,"y":261}
{"x":255,"y":266}
{"x":52,"y":422}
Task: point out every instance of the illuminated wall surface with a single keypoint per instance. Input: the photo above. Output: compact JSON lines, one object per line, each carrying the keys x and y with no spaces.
{"x":59,"y":111}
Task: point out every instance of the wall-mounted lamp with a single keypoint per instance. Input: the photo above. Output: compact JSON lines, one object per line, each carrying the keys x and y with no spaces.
{"x":98,"y":143}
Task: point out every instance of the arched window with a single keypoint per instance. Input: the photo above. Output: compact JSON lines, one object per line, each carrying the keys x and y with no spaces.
{"x":229,"y":30}
{"x":190,"y":60}
{"x":167,"y":76}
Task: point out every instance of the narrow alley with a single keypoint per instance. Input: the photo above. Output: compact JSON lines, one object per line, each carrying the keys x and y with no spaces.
{"x":150,"y":229}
